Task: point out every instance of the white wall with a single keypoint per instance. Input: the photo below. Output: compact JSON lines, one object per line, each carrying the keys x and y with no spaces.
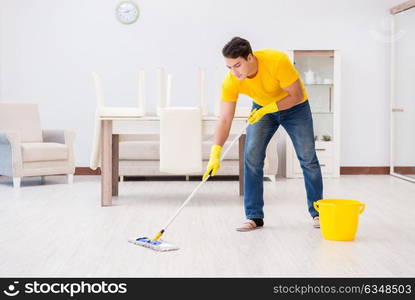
{"x":49,"y":47}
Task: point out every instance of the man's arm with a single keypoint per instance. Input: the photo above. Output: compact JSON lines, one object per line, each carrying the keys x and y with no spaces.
{"x":227,"y":111}
{"x":295,"y":96}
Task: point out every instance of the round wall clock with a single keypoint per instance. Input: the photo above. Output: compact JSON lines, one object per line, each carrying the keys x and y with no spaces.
{"x":127,"y":12}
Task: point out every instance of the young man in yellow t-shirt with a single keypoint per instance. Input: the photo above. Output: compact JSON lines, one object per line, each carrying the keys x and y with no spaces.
{"x":279,"y":98}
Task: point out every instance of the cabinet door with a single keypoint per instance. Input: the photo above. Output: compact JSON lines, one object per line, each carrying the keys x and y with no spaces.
{"x":403,"y":96}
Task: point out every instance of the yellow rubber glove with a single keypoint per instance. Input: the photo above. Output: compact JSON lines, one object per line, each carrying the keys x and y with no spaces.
{"x":214,"y":161}
{"x":257,"y":114}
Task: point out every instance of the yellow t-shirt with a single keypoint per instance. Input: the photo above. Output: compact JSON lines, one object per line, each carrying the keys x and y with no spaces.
{"x":275,"y":72}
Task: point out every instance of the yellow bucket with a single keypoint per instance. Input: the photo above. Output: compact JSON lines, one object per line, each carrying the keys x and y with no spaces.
{"x":339,"y":218}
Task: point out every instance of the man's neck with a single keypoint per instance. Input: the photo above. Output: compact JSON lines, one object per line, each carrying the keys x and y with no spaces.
{"x":254,"y":68}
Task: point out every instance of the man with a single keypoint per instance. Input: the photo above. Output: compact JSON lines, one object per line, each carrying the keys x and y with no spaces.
{"x":279,"y":98}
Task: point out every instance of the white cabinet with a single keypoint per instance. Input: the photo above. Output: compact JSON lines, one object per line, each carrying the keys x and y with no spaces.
{"x":320,"y":72}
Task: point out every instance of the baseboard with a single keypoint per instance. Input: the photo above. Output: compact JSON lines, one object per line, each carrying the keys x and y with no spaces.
{"x":343,"y":170}
{"x":87,"y":171}
{"x":364,"y":170}
{"x":405,"y":170}
{"x":376,"y":170}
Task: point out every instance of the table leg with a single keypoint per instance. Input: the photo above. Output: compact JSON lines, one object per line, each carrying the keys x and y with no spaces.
{"x":115,"y":165}
{"x":241,"y":164}
{"x":106,"y":163}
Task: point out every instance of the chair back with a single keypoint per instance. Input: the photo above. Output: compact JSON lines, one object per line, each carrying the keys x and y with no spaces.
{"x":21,"y":117}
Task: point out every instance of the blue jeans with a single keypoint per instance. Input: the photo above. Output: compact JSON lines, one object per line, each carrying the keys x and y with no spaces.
{"x":298,"y":123}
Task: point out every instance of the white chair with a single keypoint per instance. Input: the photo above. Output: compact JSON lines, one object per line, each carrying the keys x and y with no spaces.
{"x":181,"y":140}
{"x":27,"y":150}
{"x":163,"y":89}
{"x":180,"y":137}
{"x":115,"y":111}
{"x":164,"y":83}
{"x":104,"y":111}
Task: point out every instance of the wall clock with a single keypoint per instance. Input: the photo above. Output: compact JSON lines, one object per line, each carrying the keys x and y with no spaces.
{"x":127,"y":12}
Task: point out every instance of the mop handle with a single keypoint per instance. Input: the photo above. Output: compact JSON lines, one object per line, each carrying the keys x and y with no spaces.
{"x":203,"y":181}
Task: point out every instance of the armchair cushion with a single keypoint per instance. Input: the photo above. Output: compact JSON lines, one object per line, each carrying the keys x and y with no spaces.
{"x":44,"y":151}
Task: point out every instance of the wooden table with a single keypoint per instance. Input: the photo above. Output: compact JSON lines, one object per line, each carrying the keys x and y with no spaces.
{"x":111,"y":128}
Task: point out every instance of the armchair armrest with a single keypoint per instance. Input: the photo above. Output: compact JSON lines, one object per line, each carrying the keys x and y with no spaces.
{"x":3,"y":138}
{"x":10,"y":153}
{"x":60,"y":136}
{"x":70,"y":141}
{"x":69,"y":137}
{"x":9,"y":137}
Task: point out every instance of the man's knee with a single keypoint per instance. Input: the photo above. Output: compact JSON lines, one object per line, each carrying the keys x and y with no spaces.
{"x":309,"y":159}
{"x":254,"y":159}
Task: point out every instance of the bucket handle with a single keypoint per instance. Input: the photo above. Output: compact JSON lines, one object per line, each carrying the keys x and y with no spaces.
{"x":316,"y":206}
{"x":362,"y":208}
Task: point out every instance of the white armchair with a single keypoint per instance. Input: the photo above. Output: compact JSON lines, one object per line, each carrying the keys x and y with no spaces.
{"x":27,"y":150}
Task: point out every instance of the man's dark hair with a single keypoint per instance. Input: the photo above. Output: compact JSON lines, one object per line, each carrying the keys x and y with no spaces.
{"x":237,"y":47}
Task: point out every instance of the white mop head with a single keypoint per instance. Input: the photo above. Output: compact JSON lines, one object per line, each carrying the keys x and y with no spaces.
{"x":158,"y":245}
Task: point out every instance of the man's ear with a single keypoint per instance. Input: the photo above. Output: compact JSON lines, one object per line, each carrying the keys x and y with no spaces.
{"x":250,"y":57}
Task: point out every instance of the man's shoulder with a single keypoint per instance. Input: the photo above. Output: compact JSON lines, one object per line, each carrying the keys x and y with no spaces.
{"x":230,"y":80}
{"x":269,"y":54}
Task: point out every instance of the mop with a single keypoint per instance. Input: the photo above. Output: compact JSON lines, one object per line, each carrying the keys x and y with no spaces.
{"x":158,"y":244}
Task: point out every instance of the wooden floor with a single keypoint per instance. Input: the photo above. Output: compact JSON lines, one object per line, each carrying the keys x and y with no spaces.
{"x":57,"y":229}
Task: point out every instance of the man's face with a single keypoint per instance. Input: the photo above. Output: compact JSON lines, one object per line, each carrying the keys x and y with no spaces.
{"x":240,"y":67}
